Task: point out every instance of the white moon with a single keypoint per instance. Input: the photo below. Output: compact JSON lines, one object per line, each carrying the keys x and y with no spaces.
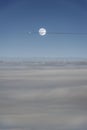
{"x":42,"y":31}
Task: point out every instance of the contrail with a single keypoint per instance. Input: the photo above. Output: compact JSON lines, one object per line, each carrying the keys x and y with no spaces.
{"x":58,"y":33}
{"x":43,"y":31}
{"x":63,"y":33}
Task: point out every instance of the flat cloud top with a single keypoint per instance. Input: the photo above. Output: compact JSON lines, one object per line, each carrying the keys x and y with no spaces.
{"x":43,"y":99}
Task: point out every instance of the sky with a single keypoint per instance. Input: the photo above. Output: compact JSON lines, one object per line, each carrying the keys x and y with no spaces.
{"x":19,"y":17}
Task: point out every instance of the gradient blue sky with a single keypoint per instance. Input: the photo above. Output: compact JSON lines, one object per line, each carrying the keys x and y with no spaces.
{"x":18,"y":17}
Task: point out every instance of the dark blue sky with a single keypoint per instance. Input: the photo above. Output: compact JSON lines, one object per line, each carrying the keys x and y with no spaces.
{"x":18,"y":17}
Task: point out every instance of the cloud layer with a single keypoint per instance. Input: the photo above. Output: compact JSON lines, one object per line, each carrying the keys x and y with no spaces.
{"x":43,"y":99}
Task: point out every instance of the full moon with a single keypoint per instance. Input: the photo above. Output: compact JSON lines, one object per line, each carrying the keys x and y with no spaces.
{"x":42,"y":31}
